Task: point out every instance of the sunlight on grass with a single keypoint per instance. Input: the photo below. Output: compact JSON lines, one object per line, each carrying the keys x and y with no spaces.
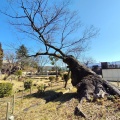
{"x":31,"y":107}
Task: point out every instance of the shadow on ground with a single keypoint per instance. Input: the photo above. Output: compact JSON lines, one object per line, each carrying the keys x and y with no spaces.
{"x":52,"y":96}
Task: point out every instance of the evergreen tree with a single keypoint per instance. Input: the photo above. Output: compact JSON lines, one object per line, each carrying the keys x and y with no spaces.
{"x":21,"y":54}
{"x":1,"y":55}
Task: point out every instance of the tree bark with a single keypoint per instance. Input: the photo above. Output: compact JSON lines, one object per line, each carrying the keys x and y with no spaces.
{"x":87,"y":82}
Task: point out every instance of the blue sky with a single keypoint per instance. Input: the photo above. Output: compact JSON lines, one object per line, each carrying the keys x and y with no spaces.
{"x":103,"y":14}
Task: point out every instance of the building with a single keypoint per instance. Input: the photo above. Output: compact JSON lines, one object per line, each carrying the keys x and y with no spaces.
{"x":111,"y":71}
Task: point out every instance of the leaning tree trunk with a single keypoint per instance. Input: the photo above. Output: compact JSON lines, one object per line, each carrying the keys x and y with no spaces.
{"x":87,"y":82}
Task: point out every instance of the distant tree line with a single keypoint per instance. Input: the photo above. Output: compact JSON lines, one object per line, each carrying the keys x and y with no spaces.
{"x":17,"y":61}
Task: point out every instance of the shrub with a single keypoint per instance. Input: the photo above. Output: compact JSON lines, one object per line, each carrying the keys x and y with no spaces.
{"x":28,"y":84}
{"x":41,"y":88}
{"x":5,"y":89}
{"x":19,"y":73}
{"x":5,"y":77}
{"x":51,"y":78}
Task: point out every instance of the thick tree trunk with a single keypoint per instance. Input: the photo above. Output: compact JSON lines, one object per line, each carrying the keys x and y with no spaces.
{"x":88,"y":83}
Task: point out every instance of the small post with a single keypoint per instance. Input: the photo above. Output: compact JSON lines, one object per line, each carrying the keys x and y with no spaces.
{"x":7,"y":112}
{"x":13,"y":106}
{"x":30,"y":90}
{"x":22,"y":95}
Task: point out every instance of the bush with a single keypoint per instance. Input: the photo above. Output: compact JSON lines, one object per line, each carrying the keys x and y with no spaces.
{"x":5,"y":89}
{"x":19,"y":73}
{"x":5,"y":77}
{"x":28,"y":84}
{"x":51,"y":78}
{"x":41,"y":88}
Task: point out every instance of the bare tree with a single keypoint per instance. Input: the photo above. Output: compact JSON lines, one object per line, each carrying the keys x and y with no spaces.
{"x":87,"y":60}
{"x":42,"y":61}
{"x":10,"y":58}
{"x":54,"y":27}
{"x":11,"y":63}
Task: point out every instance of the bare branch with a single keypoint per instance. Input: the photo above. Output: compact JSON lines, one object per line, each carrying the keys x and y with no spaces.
{"x":45,"y":53}
{"x":16,"y":17}
{"x":53,"y":25}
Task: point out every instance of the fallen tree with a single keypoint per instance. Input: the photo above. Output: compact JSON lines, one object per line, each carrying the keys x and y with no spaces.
{"x":87,"y":82}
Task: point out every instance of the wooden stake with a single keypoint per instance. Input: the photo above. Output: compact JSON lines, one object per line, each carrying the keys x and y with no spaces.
{"x":7,"y":112}
{"x":22,"y":95}
{"x":13,"y":107}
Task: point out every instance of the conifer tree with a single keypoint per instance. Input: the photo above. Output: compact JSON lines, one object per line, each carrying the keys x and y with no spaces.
{"x":1,"y":56}
{"x":21,"y":52}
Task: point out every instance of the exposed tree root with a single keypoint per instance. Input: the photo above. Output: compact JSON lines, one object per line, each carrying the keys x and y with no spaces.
{"x":88,"y":83}
{"x":78,"y":110}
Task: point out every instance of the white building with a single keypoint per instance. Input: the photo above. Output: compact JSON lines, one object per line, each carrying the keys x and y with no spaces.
{"x":111,"y":71}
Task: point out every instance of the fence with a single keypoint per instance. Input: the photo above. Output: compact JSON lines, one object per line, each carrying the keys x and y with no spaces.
{"x":7,"y":107}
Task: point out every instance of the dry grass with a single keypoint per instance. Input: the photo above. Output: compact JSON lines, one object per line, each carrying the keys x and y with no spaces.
{"x":62,"y":108}
{"x":116,"y":83}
